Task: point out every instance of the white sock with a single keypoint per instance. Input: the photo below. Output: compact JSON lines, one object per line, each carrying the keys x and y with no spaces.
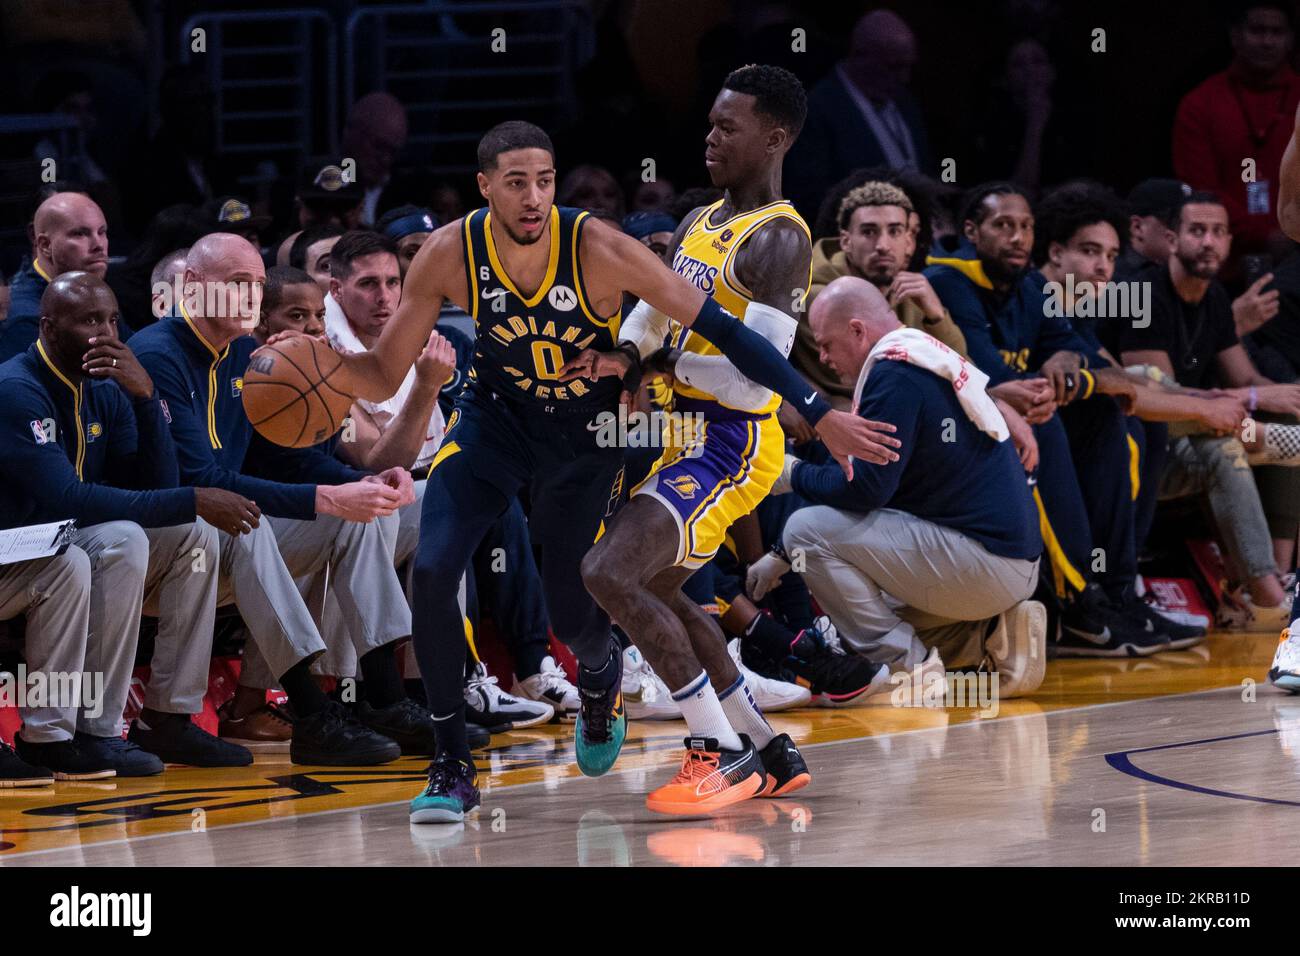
{"x":738,"y":704}
{"x":704,"y":715}
{"x":1281,"y":445}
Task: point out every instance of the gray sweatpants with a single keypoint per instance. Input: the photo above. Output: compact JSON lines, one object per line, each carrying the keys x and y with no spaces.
{"x":168,"y":572}
{"x":1217,"y":467}
{"x":372,"y":609}
{"x":895,"y":585}
{"x":401,"y":533}
{"x":54,"y":593}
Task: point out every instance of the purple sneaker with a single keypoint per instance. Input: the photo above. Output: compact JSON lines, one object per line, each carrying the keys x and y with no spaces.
{"x":450,"y":794}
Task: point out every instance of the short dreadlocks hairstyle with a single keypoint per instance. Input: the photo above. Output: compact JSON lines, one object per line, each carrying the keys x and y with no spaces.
{"x":972,"y":202}
{"x":777,"y":94}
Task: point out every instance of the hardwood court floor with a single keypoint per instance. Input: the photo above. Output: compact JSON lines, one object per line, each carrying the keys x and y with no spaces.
{"x":1163,"y":761}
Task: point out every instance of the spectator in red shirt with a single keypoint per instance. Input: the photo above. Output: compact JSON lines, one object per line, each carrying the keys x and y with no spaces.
{"x":1243,"y":113}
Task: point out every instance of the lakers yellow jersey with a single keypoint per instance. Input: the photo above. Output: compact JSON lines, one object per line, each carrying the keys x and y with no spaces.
{"x":707,"y":259}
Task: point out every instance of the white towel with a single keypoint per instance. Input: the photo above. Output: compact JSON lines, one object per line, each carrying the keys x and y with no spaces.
{"x":343,"y":339}
{"x":925,"y":351}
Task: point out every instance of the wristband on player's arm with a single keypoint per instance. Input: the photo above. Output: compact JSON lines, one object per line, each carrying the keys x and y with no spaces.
{"x":1089,"y":382}
{"x":632,"y":377}
{"x":757,"y":359}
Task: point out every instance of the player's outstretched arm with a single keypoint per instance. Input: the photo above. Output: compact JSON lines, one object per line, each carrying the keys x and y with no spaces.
{"x":377,"y":374}
{"x":619,"y":260}
{"x":1288,"y":193}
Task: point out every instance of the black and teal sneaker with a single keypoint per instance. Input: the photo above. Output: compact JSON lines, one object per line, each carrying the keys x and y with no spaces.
{"x":602,"y":722}
{"x":450,"y":793}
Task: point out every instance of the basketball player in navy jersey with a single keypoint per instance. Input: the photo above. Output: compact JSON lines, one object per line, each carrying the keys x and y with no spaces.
{"x":544,"y":285}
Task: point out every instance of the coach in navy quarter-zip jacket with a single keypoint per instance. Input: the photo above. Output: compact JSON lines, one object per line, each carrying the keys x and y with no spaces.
{"x":70,"y":236}
{"x":948,"y":529}
{"x":1084,"y":492}
{"x":312,"y":522}
{"x":85,"y":438}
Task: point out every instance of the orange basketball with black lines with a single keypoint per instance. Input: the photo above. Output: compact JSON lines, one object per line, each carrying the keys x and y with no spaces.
{"x":288,"y":395}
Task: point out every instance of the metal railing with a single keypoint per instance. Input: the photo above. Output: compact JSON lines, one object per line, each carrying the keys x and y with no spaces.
{"x":273,"y":75}
{"x":443,"y":61}
{"x":277,"y":90}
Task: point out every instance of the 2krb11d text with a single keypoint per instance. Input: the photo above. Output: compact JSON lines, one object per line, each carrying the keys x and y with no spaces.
{"x":1193,"y":897}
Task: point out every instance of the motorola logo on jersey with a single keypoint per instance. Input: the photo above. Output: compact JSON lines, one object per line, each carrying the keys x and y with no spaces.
{"x":561,"y":297}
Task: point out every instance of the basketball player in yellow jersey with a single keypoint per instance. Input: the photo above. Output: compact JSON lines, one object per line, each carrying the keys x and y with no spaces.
{"x":543,"y":283}
{"x":752,"y":253}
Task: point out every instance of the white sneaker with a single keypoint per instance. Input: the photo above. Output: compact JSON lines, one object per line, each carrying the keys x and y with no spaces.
{"x":551,"y":686}
{"x":770,"y":695}
{"x":487,"y":705}
{"x":1285,"y":672}
{"x":920,"y":679}
{"x":646,"y":696}
{"x":1018,"y":649}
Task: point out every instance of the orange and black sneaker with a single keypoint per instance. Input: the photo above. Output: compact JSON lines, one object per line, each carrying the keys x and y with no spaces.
{"x":710,"y":779}
{"x":785,"y":767}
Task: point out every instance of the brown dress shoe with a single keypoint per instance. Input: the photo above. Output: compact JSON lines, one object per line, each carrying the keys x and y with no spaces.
{"x":268,"y":728}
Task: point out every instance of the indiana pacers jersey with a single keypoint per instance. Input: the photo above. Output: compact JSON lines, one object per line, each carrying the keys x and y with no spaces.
{"x":523,"y":342}
{"x":706,"y":258}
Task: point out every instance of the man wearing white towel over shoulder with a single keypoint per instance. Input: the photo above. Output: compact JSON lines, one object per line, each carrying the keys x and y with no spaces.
{"x":935,"y":554}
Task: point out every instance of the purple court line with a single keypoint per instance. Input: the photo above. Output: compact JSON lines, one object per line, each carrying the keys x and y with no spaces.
{"x":1121,"y":761}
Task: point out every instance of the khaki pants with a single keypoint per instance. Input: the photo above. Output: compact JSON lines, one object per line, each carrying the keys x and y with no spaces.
{"x":895,"y":585}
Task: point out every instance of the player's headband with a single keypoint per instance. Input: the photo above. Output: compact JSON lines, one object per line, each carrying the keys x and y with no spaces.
{"x":399,"y":229}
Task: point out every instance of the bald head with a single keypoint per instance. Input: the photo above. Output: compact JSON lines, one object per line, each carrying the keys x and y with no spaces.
{"x":76,"y":307}
{"x":219,"y":255}
{"x":848,"y":318}
{"x":282,"y":253}
{"x":373,"y":134}
{"x":70,"y":235}
{"x":73,"y":290}
{"x":169,"y":267}
{"x":223,"y":286}
{"x":882,"y":53}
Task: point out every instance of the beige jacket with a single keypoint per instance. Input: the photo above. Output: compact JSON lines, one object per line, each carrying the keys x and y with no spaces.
{"x":828,"y":264}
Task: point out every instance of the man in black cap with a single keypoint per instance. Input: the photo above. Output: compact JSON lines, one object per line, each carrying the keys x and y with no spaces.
{"x":329,"y":193}
{"x":231,"y":214}
{"x":1151,"y":205}
{"x":1154,"y":206}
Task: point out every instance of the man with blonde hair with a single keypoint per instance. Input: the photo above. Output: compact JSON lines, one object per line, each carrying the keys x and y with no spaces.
{"x":876,"y":242}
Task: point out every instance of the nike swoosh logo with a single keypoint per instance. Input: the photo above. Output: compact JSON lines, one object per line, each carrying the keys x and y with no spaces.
{"x":1102,"y":638}
{"x":809,"y":399}
{"x":493,"y":293}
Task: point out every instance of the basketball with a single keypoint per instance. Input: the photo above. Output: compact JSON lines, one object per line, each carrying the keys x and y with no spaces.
{"x":287,"y":392}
